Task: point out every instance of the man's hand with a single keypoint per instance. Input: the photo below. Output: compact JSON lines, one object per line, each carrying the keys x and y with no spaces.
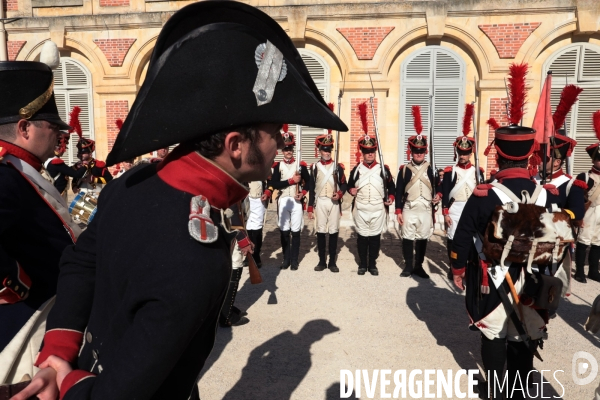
{"x":335,"y":197}
{"x":311,"y":215}
{"x":436,"y":199}
{"x":458,"y":281}
{"x":44,"y":385}
{"x":298,"y":196}
{"x":247,"y":250}
{"x":448,"y":220}
{"x":400,"y":219}
{"x":353,"y":191}
{"x":296,"y":178}
{"x":264,"y":197}
{"x":388,"y":202}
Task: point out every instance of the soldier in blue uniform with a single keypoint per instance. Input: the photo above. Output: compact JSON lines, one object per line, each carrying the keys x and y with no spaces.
{"x":35,"y":226}
{"x":59,"y":171}
{"x":141,"y":292}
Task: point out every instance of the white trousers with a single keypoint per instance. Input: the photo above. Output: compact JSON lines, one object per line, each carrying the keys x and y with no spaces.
{"x":327,"y":214}
{"x":590,"y":233}
{"x":290,"y":214}
{"x":19,"y":355}
{"x":237,"y":258}
{"x":418,"y":222}
{"x":257,"y":214}
{"x":369,"y":219}
{"x":454,"y":213}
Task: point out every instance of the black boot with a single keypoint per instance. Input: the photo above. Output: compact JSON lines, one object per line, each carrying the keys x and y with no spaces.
{"x":285,"y":246}
{"x":321,"y":244}
{"x":333,"y":239}
{"x":519,"y":362}
{"x":227,"y":317}
{"x":362,"y":247}
{"x":257,"y":240}
{"x":374,"y":246}
{"x":420,"y":249}
{"x":407,"y":252}
{"x":580,"y":250}
{"x":449,"y":274}
{"x":295,"y":250}
{"x":593,"y":259}
{"x":493,"y":355}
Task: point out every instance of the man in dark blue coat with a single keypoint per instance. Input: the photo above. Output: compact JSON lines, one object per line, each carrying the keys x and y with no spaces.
{"x":35,"y":225}
{"x":140,"y":294}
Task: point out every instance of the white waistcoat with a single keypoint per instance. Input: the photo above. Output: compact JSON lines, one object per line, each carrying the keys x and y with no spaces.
{"x":465,"y":183}
{"x":324,"y":184}
{"x":422,"y":187}
{"x":369,"y":185}
{"x":256,"y":189}
{"x":287,"y":171}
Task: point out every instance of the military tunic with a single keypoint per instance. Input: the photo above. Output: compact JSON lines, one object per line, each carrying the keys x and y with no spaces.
{"x":322,"y":186}
{"x":289,"y":210}
{"x":589,"y":234}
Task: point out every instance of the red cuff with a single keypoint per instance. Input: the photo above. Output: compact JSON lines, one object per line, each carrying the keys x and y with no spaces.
{"x":304,"y":192}
{"x":268,"y":192}
{"x":309,"y":209}
{"x":16,"y":287}
{"x":63,"y":343}
{"x":456,"y":271}
{"x":340,"y":194}
{"x":72,"y":379}
{"x":445,"y":211}
{"x":391,"y":197}
{"x":398,"y":211}
{"x":291,"y":181}
{"x":245,"y":242}
{"x":439,"y":194}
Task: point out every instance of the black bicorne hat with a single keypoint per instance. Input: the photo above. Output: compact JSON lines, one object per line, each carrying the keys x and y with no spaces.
{"x":27,"y":93}
{"x":213,"y":64}
{"x":562,"y":145}
{"x":514,"y":142}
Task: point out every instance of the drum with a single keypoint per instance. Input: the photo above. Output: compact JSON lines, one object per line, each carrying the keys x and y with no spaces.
{"x":83,"y":207}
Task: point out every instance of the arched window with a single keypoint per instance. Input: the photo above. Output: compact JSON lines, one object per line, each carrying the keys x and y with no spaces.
{"x":319,"y":72}
{"x":73,"y":87}
{"x":577,"y":64}
{"x":430,"y":69}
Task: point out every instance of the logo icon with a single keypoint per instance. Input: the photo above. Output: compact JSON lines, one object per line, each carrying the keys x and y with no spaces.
{"x":580,"y":367}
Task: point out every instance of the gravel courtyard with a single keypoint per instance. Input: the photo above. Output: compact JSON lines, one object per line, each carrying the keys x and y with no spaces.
{"x":306,"y":326}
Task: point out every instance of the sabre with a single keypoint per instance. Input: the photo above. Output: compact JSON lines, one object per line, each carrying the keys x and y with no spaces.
{"x":567,"y":132}
{"x":298,"y":155}
{"x":385,"y":191}
{"x":432,"y":156}
{"x":336,"y":155}
{"x":477,"y":170}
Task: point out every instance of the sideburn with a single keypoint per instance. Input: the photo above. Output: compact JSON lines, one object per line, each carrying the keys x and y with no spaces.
{"x":255,"y":156}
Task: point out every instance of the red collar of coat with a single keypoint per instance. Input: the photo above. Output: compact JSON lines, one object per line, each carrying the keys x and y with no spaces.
{"x":512,"y":173}
{"x":557,"y":174}
{"x":290,"y":161}
{"x":20,"y":153}
{"x":189,"y":172}
{"x":465,"y":166}
{"x":374,"y":163}
{"x":326,"y":162}
{"x":595,"y":171}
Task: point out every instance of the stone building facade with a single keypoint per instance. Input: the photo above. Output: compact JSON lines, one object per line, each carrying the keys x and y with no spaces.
{"x":457,"y":49}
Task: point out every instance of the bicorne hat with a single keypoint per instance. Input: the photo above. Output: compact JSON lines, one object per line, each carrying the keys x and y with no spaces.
{"x":27,"y":89}
{"x":219,"y":65}
{"x":562,"y":145}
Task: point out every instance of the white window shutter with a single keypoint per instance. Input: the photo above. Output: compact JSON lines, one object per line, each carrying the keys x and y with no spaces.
{"x":578,"y":64}
{"x":72,"y":87}
{"x":418,"y":74}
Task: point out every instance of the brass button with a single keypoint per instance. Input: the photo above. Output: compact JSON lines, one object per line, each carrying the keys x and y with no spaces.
{"x":16,"y":287}
{"x":88,"y":337}
{"x":9,"y":282}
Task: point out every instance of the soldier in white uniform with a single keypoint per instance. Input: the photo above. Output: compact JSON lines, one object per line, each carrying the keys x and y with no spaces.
{"x":369,"y":207}
{"x":414,"y":206}
{"x":589,"y":234}
{"x":457,"y":186}
{"x":327,"y":187}
{"x":292,"y":186}
{"x":257,"y":198}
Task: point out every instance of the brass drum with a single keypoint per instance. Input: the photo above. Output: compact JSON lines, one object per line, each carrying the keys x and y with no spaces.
{"x":83,"y":208}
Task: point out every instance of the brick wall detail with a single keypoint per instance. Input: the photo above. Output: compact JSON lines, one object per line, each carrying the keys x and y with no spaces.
{"x":10,"y":5}
{"x":356,"y":131}
{"x":115,"y":109}
{"x":14,"y":48}
{"x":114,"y":50}
{"x":365,"y":41}
{"x":508,"y":38}
{"x":114,"y":3}
{"x":498,"y":112}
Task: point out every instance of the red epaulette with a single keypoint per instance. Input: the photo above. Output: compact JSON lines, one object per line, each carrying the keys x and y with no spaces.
{"x":276,"y":163}
{"x":100,"y":164}
{"x":386,"y":166}
{"x":482,"y":170}
{"x":580,"y":184}
{"x":3,"y":152}
{"x":482,"y":190}
{"x":448,"y":169}
{"x":551,"y":188}
{"x":57,"y":161}
{"x":303,"y":164}
{"x":400,"y":169}
{"x":341,"y":165}
{"x":568,"y":176}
